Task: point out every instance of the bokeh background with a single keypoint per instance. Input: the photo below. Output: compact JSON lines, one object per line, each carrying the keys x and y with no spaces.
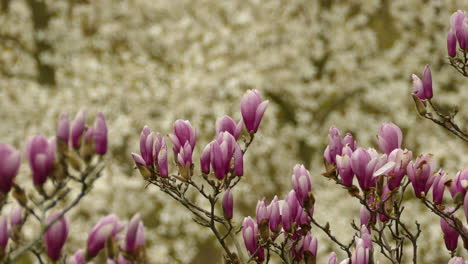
{"x":319,"y":62}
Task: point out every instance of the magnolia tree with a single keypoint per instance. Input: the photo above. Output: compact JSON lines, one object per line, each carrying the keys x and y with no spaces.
{"x":65,"y":168}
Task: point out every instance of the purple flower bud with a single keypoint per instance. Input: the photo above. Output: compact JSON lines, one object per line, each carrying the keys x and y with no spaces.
{"x":63,"y":129}
{"x":107,"y":227}
{"x":4,"y":234}
{"x":228,"y":204}
{"x":462,"y":34}
{"x":439,"y":186}
{"x":183,"y":133}
{"x":362,"y":253}
{"x":418,"y":88}
{"x":343,"y":164}
{"x":460,"y":183}
{"x":310,"y":244}
{"x":10,"y":161}
{"x":135,"y":236}
{"x":77,"y":258}
{"x":275,"y":215}
{"x":252,"y":109}
{"x":217,"y":163}
{"x":226,"y":123}
{"x":457,"y":260}
{"x":365,"y":216}
{"x":401,"y":158}
{"x":302,"y":218}
{"x":332,"y":259}
{"x":366,"y":238}
{"x":185,"y":156}
{"x":146,"y":146}
{"x":293,"y":204}
{"x":335,"y":145}
{"x":138,"y":159}
{"x":100,"y":134}
{"x":349,"y":141}
{"x":249,"y":233}
{"x":41,"y":156}
{"x":163,"y":166}
{"x":390,"y":137}
{"x":56,"y":236}
{"x":427,"y":82}
{"x":205,"y":159}
{"x":456,"y":20}
{"x":301,"y":183}
{"x":286,"y":219}
{"x":16,"y":216}
{"x":450,"y":234}
{"x":420,"y":173}
{"x":451,"y":44}
{"x":262,"y":213}
{"x":238,"y":161}
{"x":78,"y":127}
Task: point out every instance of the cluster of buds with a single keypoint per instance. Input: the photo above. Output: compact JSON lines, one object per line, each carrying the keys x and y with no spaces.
{"x":458,"y":33}
{"x":57,"y":160}
{"x":289,"y":217}
{"x":223,"y":155}
{"x":363,"y":253}
{"x":104,"y":236}
{"x":380,"y":176}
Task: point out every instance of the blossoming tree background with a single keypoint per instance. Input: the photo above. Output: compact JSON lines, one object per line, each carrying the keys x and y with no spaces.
{"x":318,"y":63}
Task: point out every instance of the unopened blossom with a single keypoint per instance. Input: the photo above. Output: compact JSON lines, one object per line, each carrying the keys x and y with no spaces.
{"x":301,"y":183}
{"x":460,"y":183}
{"x":41,"y":156}
{"x":421,"y":174}
{"x":364,"y":216}
{"x":227,"y":124}
{"x":450,"y":234}
{"x":250,"y":236}
{"x":78,"y":127}
{"x":160,"y":154}
{"x":222,"y":151}
{"x":63,"y":128}
{"x":107,"y":227}
{"x":135,"y":236}
{"x":146,"y":146}
{"x":335,"y":145}
{"x":459,"y":25}
{"x":422,"y":88}
{"x":293,"y":204}
{"x":286,"y":219}
{"x":183,"y":133}
{"x":262,"y":213}
{"x":10,"y":161}
{"x":274,"y":215}
{"x":438,"y":187}
{"x":252,"y":109}
{"x":451,"y":44}
{"x":205,"y":159}
{"x":228,"y":204}
{"x":348,"y":141}
{"x":310,"y":244}
{"x":390,"y":137}
{"x":56,"y":236}
{"x":343,"y":165}
{"x":100,"y":134}
{"x":362,"y":254}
